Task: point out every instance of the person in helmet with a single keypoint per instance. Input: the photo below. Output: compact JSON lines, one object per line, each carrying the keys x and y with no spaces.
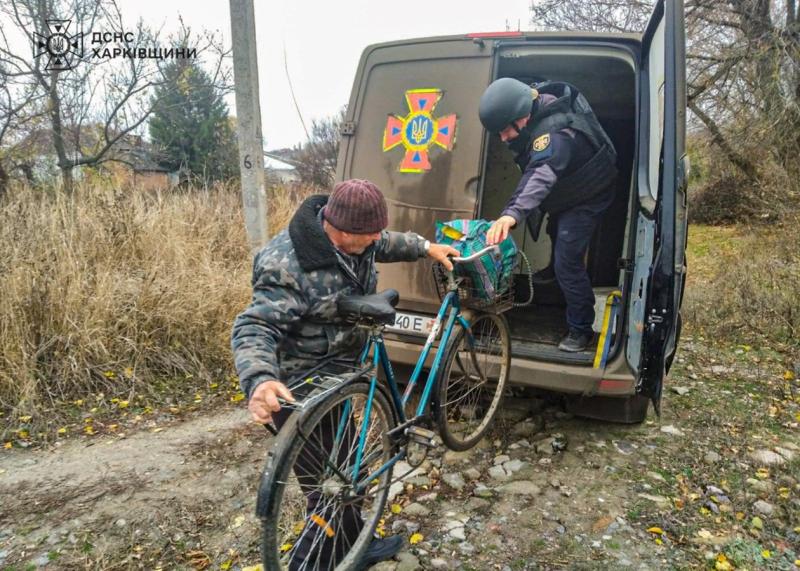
{"x":568,"y":166}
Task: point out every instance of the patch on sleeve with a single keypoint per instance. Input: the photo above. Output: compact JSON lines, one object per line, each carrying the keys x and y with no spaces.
{"x":541,"y":143}
{"x":541,"y":148}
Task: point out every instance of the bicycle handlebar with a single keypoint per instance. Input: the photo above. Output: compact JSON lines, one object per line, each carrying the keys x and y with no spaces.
{"x":475,"y":256}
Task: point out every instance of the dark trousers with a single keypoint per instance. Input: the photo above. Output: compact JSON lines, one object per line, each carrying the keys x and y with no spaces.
{"x":571,"y":232}
{"x":323,"y":552}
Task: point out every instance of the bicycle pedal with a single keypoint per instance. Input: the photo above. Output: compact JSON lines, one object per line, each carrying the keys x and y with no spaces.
{"x":422,"y":436}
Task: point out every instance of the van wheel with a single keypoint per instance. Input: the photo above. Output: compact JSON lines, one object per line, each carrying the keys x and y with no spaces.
{"x":625,"y":410}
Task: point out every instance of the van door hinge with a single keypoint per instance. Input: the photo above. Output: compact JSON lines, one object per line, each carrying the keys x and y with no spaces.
{"x":625,"y":264}
{"x":348,"y":128}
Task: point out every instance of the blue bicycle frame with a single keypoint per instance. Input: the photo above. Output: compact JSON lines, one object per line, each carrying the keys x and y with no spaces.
{"x":451,"y":306}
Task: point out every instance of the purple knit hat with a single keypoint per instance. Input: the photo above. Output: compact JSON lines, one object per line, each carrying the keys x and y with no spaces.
{"x":357,"y":206}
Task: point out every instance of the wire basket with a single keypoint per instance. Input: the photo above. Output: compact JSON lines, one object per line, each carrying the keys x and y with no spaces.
{"x":477,"y":298}
{"x":471,"y":296}
{"x":314,"y":385}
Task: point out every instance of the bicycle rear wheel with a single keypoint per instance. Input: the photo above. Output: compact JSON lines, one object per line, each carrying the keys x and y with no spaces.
{"x":471,"y":380}
{"x":317,"y":517}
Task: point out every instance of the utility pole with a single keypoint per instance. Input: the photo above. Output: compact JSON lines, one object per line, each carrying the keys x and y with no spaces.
{"x":248,"y":122}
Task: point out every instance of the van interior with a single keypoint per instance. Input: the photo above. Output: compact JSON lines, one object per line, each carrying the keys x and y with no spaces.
{"x":606,"y":76}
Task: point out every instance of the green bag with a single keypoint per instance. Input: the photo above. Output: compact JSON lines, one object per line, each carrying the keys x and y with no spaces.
{"x":492,"y":274}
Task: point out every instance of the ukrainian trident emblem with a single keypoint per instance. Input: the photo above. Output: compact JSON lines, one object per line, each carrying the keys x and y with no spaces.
{"x":419,"y":130}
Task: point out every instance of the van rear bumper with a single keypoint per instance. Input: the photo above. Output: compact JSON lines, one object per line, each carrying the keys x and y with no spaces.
{"x":615,"y":381}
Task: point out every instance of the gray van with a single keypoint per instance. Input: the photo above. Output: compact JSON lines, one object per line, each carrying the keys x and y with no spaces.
{"x":412,"y":127}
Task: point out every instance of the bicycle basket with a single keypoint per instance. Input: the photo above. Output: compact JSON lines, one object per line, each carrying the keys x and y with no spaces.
{"x":486,"y":283}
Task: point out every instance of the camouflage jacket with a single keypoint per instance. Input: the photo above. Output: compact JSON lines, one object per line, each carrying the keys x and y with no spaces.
{"x":291,"y":322}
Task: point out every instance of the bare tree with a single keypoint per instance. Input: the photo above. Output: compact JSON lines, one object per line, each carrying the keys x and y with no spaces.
{"x":20,"y":109}
{"x":316,"y":159}
{"x":95,"y":105}
{"x":743,"y":68}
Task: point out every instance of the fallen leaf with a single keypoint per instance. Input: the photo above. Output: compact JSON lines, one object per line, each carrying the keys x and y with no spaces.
{"x":8,"y":445}
{"x":658,"y":541}
{"x":123,"y":404}
{"x":258,"y":567}
{"x":26,"y":418}
{"x":602,"y":524}
{"x":237,"y":521}
{"x":237,"y":397}
{"x":62,"y":430}
{"x":722,"y":563}
{"x":656,"y":530}
{"x":704,"y":533}
{"x":415,"y":538}
{"x":766,"y":554}
{"x":396,"y":508}
{"x":225,"y":565}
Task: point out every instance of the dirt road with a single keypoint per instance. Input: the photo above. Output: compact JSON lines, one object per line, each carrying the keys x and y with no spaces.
{"x":712,"y":484}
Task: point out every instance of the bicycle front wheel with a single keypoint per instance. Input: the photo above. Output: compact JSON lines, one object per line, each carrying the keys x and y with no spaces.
{"x":471,"y":380}
{"x":320,"y":515}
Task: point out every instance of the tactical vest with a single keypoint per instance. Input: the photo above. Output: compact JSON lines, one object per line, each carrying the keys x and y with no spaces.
{"x":571,"y":110}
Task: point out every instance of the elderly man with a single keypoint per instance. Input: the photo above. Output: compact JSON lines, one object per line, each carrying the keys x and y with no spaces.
{"x":329,"y":250}
{"x":568,"y":165}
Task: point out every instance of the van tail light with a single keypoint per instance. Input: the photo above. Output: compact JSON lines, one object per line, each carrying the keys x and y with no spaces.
{"x":613,"y":384}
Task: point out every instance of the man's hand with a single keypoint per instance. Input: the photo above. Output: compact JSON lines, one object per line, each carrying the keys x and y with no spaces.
{"x":499,"y":230}
{"x":264,"y":400}
{"x":439,"y":252}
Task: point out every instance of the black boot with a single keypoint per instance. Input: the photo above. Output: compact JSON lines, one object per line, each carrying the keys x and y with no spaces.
{"x":381,"y":550}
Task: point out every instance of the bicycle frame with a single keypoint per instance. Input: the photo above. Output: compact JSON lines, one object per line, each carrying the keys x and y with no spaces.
{"x":451,"y":307}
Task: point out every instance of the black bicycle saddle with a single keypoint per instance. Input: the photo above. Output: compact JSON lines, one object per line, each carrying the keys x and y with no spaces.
{"x":378,"y":307}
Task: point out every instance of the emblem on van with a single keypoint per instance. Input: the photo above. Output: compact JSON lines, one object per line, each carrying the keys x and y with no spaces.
{"x":419,"y":130}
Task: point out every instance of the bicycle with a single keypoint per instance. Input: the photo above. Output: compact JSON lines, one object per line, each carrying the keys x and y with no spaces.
{"x":327,"y":477}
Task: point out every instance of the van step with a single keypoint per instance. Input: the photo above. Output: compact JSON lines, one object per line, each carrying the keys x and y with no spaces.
{"x":547,"y":352}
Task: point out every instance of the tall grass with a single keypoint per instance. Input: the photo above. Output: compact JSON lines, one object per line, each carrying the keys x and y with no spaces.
{"x":119,"y":291}
{"x":744,"y":284}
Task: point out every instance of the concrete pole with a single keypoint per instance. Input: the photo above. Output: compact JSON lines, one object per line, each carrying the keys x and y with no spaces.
{"x":248,"y":121}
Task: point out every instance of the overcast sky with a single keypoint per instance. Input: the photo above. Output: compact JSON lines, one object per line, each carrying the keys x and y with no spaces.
{"x":324,"y":40}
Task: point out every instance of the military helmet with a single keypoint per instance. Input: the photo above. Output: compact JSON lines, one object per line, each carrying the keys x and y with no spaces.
{"x":504,"y":101}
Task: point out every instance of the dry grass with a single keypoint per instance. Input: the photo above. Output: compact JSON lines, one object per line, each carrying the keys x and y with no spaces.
{"x":744,"y":284}
{"x":118,"y":291}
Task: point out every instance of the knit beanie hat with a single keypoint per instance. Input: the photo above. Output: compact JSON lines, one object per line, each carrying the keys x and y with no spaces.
{"x":357,"y":206}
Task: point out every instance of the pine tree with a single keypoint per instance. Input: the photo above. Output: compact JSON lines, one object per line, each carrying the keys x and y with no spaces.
{"x":190,"y":124}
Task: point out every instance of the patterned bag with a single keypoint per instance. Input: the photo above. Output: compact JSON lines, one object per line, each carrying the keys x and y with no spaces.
{"x":492,"y":274}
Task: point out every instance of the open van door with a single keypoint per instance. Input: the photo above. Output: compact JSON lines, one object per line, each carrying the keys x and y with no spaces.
{"x":660,"y":268}
{"x":412,"y":128}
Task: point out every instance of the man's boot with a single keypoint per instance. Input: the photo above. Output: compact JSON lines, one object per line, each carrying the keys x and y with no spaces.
{"x":381,"y":550}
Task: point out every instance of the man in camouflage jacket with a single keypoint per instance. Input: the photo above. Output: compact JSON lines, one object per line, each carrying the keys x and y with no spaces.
{"x":329,"y":250}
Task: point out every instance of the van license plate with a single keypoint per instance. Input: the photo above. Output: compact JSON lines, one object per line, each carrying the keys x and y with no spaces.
{"x":413,"y":324}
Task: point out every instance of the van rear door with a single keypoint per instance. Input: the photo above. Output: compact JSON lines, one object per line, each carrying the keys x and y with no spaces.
{"x":661,"y":232}
{"x":412,"y":128}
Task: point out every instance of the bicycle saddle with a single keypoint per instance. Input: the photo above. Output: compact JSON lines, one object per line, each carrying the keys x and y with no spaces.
{"x":378,"y":307}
